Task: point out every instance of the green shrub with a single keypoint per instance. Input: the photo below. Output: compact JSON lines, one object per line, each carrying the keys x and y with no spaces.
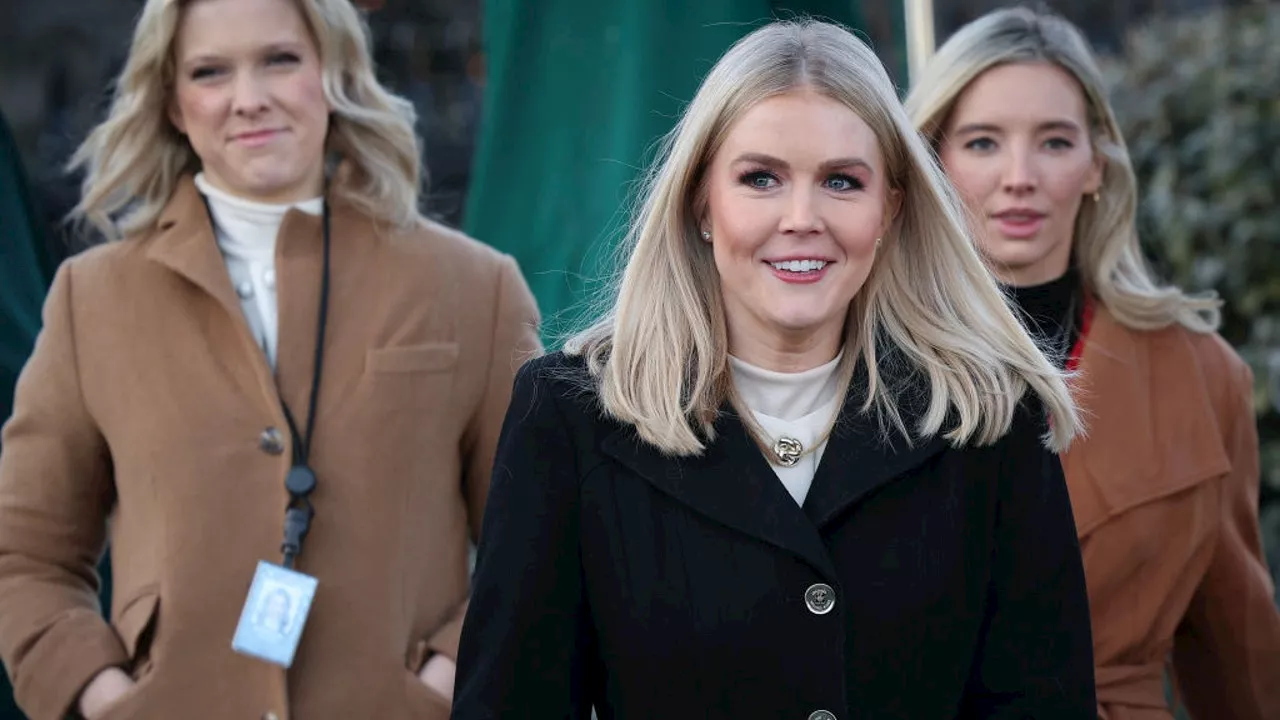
{"x":1199,"y":103}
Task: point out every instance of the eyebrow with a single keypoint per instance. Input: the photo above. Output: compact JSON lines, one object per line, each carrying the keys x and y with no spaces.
{"x":778,"y":164}
{"x":1060,"y":125}
{"x":275,"y":47}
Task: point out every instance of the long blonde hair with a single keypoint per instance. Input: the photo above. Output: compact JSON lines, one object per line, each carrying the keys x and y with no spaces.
{"x":658,"y":356}
{"x":135,"y":157}
{"x":1105,"y":247}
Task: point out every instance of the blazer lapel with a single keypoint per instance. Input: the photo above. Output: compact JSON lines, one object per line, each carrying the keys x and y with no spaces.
{"x":861,"y":456}
{"x":732,"y":484}
{"x":184,"y":243}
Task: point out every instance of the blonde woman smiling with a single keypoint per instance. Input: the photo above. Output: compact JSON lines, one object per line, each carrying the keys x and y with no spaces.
{"x":281,"y":384}
{"x":803,"y":466}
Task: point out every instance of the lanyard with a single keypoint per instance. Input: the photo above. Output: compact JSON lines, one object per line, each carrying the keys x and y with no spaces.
{"x":300,"y":481}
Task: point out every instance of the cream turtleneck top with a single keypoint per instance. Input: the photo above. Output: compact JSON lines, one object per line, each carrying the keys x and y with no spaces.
{"x":246,"y":232}
{"x":796,"y":405}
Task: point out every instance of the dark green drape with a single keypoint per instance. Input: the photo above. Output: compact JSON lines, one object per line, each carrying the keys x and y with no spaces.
{"x":25,"y":269}
{"x":25,"y":273}
{"x":577,"y":92}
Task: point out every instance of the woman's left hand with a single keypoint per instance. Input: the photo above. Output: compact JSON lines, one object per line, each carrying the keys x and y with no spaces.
{"x":438,"y":674}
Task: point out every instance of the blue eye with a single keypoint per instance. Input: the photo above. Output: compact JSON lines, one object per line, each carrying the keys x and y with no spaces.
{"x":758,"y":180}
{"x":843,"y":183}
{"x":1059,"y":144}
{"x":980,"y":144}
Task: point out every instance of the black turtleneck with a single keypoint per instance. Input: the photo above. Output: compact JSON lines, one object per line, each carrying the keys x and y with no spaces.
{"x":1051,"y":312}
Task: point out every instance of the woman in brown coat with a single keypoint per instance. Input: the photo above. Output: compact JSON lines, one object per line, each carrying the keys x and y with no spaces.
{"x":276,"y":309}
{"x":1164,"y":484}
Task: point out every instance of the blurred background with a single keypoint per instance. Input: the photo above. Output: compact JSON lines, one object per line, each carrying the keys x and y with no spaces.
{"x":537,"y":116}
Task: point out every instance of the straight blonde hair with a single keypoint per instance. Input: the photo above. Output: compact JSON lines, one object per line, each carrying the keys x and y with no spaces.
{"x":135,"y":157}
{"x":1106,"y":246}
{"x":658,"y":355}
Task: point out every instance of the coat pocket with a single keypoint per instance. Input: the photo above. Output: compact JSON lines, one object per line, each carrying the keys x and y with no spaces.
{"x":136,"y":627}
{"x":427,"y":357}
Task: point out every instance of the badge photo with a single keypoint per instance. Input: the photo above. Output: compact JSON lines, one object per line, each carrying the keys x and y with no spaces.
{"x":274,"y":614}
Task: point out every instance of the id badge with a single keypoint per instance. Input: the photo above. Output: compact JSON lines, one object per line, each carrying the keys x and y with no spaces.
{"x":274,"y":614}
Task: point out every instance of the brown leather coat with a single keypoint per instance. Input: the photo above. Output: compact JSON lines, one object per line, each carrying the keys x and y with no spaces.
{"x":1165,"y":492}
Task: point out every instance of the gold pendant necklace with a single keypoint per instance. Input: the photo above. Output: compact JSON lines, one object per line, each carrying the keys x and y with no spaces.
{"x":788,"y":450}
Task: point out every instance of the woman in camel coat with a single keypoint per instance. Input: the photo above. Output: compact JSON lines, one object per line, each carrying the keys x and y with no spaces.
{"x":157,"y":411}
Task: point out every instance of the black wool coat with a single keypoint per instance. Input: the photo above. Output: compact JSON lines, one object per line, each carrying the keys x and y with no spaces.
{"x":917,"y":581}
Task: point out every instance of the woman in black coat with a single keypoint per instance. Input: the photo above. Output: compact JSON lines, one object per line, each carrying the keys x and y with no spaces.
{"x":804,"y":467}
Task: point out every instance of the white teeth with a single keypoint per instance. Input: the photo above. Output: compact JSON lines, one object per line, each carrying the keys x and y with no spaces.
{"x":800,"y":265}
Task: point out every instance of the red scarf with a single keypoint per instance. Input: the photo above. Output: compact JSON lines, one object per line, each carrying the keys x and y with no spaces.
{"x":1073,"y":360}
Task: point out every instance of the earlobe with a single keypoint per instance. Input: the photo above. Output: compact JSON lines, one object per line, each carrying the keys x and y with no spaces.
{"x":1096,"y":175}
{"x":893,"y":205}
{"x":175,"y":117}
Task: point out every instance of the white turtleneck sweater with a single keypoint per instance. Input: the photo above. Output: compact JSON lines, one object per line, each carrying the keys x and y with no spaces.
{"x":246,"y":232}
{"x":798,"y":405}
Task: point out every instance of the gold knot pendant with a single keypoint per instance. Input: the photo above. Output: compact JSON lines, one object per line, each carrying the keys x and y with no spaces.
{"x":788,"y":450}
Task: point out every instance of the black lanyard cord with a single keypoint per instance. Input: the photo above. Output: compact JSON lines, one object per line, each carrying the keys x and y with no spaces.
{"x":301,"y":480}
{"x":302,"y":443}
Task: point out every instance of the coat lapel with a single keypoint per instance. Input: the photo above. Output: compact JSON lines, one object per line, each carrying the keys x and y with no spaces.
{"x":184,"y":243}
{"x":299,"y":269}
{"x":861,"y":456}
{"x":1170,"y":438}
{"x":732,"y":484}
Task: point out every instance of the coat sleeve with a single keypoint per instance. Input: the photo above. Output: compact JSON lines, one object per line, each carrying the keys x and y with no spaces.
{"x":526,"y":640}
{"x":56,"y":492}
{"x":514,"y":340}
{"x":1035,"y":656}
{"x":1227,"y":650}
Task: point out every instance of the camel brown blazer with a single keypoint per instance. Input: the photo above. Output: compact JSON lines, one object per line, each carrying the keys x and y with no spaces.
{"x":1164,"y":488}
{"x":149,"y":417}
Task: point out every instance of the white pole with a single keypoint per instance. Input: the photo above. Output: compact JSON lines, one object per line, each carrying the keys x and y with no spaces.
{"x":918,"y":17}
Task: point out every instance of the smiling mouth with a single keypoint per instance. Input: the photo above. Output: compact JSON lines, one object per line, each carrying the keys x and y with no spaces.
{"x":799,"y":266}
{"x":256,"y":136}
{"x":1019,"y":216}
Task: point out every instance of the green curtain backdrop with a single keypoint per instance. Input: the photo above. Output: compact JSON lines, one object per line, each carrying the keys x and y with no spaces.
{"x":25,"y":269}
{"x":25,"y":273}
{"x":577,"y":92}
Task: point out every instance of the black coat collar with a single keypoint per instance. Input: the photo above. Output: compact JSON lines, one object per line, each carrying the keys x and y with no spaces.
{"x":733,"y":484}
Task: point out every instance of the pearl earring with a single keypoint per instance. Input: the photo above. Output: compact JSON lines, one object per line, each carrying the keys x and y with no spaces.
{"x":1097,"y":198}
{"x":706,"y":234}
{"x":877,"y":243}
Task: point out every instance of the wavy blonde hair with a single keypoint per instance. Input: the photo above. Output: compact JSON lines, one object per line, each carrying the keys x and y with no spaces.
{"x":658,"y":356}
{"x":1105,"y":247}
{"x":135,"y":157}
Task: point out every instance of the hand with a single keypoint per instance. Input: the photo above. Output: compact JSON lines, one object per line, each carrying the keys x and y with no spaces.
{"x":438,"y":674}
{"x":106,"y":689}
